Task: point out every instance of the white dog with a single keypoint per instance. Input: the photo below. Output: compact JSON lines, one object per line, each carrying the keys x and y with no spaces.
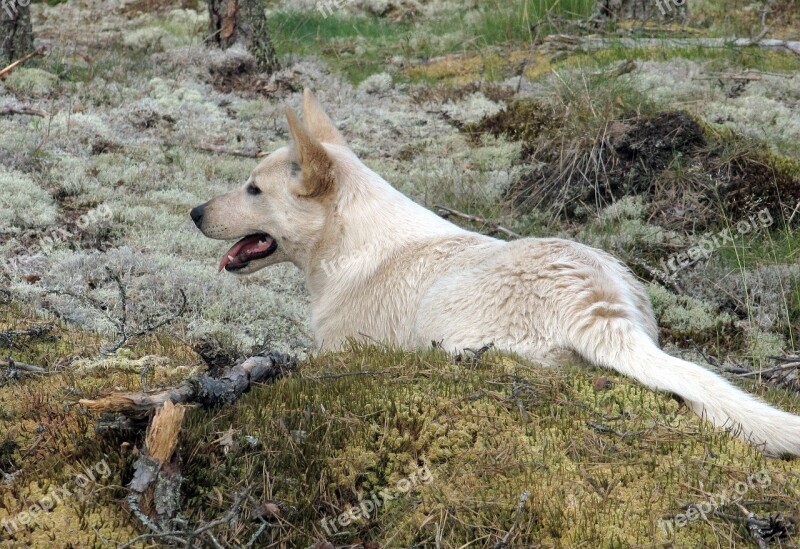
{"x":380,"y":266}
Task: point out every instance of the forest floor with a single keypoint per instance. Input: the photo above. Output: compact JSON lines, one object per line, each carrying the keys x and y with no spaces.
{"x":680,"y":158}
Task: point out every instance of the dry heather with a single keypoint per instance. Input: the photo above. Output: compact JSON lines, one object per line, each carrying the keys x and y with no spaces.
{"x":659,"y":162}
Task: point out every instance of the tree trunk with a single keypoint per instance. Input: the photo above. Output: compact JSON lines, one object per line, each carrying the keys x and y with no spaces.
{"x":16,"y":34}
{"x":243,"y":22}
{"x":642,"y":10}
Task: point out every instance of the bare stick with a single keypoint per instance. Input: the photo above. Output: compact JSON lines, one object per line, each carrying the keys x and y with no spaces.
{"x":447,"y":212}
{"x":232,"y":152}
{"x":781,"y":368}
{"x":20,"y":61}
{"x":7,"y":337}
{"x":562,"y":41}
{"x":21,"y":366}
{"x":7,"y":111}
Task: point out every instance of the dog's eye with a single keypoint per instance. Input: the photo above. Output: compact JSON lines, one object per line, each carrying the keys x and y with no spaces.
{"x":252,"y":189}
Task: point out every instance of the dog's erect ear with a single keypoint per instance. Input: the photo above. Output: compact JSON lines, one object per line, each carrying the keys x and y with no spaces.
{"x":314,"y":160}
{"x":319,"y":123}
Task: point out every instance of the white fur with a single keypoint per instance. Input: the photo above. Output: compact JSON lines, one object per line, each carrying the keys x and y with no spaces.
{"x":379,"y":266}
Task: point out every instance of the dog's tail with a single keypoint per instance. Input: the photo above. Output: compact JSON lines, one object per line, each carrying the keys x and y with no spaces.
{"x":621,"y":345}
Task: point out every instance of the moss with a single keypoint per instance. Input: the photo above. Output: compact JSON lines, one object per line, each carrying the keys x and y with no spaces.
{"x":599,"y":461}
{"x":23,"y":203}
{"x":362,"y":421}
{"x":685,"y":315}
{"x":31,"y":81}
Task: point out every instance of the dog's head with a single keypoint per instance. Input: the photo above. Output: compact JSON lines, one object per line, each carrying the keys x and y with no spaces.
{"x":279,"y":214}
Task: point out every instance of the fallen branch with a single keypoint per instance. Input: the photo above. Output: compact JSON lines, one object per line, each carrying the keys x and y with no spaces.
{"x":38,"y":52}
{"x":22,"y":367}
{"x":623,"y":68}
{"x":155,"y":497}
{"x":7,"y":337}
{"x":7,"y":111}
{"x":232,"y":152}
{"x":657,"y":274}
{"x":203,"y":389}
{"x":768,"y":372}
{"x":562,"y":41}
{"x":447,"y":212}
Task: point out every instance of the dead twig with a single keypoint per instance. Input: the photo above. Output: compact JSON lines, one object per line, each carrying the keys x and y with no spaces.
{"x":7,"y":111}
{"x":7,"y":337}
{"x":523,"y":498}
{"x":622,"y":68}
{"x":38,"y":52}
{"x":187,"y":538}
{"x":781,"y":368}
{"x":350,"y":374}
{"x":657,"y":274}
{"x":446,"y":212}
{"x":22,"y":367}
{"x":232,"y":152}
{"x":587,"y":44}
{"x":121,"y":322}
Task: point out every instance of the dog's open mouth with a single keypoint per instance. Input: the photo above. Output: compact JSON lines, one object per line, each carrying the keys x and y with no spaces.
{"x":250,"y":248}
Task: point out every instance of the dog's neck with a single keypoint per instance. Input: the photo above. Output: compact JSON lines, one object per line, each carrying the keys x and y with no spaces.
{"x":370,"y":222}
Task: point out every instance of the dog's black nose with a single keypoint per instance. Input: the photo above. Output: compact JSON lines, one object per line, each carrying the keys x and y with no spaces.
{"x":197,"y":214}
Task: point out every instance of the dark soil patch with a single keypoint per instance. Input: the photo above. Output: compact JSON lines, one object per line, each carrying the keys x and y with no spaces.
{"x":239,"y":74}
{"x":693,"y":178}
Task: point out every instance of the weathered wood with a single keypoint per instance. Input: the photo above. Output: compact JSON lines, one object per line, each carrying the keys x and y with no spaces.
{"x":243,"y":22}
{"x":203,"y":389}
{"x":22,"y":367}
{"x":593,"y":43}
{"x":8,"y":111}
{"x":8,"y":337}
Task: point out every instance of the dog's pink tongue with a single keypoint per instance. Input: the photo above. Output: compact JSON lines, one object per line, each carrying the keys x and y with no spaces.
{"x":249,"y":245}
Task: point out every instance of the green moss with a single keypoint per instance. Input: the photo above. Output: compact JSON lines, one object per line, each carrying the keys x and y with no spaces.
{"x":358,"y":422}
{"x":30,"y":81}
{"x":685,"y":315}
{"x":599,"y":461}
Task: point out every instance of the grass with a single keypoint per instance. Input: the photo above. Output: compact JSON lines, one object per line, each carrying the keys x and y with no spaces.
{"x":493,"y":39}
{"x":361,"y":46}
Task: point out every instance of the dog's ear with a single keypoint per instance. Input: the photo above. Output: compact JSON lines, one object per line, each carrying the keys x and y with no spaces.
{"x":314,"y":160}
{"x":319,"y":122}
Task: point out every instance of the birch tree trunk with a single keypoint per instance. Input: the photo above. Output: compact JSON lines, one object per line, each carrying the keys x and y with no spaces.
{"x":243,"y":22}
{"x":16,"y":34}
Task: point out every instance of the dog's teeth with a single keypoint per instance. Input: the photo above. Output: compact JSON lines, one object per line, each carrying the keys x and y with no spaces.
{"x":230,"y":257}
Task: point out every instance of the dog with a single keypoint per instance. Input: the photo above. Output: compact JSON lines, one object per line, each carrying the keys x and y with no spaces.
{"x":379,"y":266}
